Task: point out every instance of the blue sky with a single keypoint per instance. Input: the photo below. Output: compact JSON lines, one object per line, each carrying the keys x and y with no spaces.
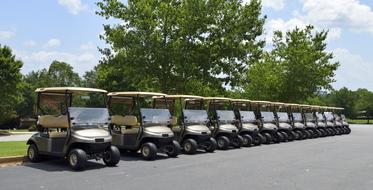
{"x":40,"y":31}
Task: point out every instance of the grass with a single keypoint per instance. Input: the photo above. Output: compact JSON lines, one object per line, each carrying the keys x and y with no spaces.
{"x":17,"y":130}
{"x":13,"y":148}
{"x":359,"y":121}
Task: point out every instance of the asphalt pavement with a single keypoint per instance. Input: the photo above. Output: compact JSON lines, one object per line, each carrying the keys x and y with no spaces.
{"x":339,"y":162}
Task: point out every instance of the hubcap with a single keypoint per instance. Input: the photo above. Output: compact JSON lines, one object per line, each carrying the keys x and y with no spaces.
{"x":73,"y":159}
{"x":31,"y":153}
{"x":187,"y":147}
{"x":107,"y":156}
{"x":245,"y":140}
{"x":221,"y":142}
{"x":145,"y":151}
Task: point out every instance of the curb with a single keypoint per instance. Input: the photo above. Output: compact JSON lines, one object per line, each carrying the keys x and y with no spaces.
{"x":4,"y":160}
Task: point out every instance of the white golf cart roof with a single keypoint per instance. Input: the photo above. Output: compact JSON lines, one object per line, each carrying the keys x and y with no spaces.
{"x":135,"y":94}
{"x":184,"y":97}
{"x":293,"y":105}
{"x":68,"y":90}
{"x":240,"y":101}
{"x":260,"y":102}
{"x":217,"y":99}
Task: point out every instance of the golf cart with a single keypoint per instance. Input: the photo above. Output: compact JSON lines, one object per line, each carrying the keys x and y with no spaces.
{"x":321,"y":121}
{"x":342,"y":119}
{"x":137,"y":125}
{"x":248,"y":125}
{"x":72,"y":123}
{"x":295,"y":114}
{"x":268,"y":127}
{"x":331,"y":121}
{"x":223,"y":123}
{"x":309,"y":121}
{"x":189,"y":122}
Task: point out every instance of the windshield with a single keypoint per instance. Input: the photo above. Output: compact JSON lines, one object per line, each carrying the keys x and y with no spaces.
{"x":88,"y":117}
{"x":283,"y":117}
{"x":155,"y":116}
{"x":225,"y":116}
{"x":297,"y":116}
{"x":329,"y":116}
{"x":310,"y":117}
{"x":195,"y":116}
{"x":319,"y":116}
{"x":247,"y":116}
{"x":268,"y":116}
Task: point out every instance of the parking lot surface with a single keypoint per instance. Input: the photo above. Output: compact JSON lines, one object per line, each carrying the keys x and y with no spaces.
{"x":340,"y":162}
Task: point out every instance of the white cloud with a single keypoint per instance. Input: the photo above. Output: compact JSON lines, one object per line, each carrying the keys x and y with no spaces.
{"x":88,"y":46}
{"x":5,"y":35}
{"x":284,"y":26}
{"x":354,"y":72}
{"x":274,"y":4}
{"x":81,"y":61}
{"x":74,"y":6}
{"x":29,"y":43}
{"x":350,"y":14}
{"x":52,"y":43}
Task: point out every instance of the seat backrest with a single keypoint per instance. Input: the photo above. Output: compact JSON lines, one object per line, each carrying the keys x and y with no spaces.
{"x":128,"y":120}
{"x":173,"y":120}
{"x":50,"y":121}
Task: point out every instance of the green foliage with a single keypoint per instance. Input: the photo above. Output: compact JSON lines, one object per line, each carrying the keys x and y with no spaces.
{"x":173,"y":46}
{"x":297,"y":67}
{"x":10,"y":82}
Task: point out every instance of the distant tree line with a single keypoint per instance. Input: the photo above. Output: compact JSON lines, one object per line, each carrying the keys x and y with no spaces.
{"x":201,"y":47}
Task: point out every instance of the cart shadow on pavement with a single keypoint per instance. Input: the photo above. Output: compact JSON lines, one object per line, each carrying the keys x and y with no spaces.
{"x":134,"y":156}
{"x":59,"y":165}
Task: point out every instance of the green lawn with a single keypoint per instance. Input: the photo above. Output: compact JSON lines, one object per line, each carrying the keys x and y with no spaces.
{"x":359,"y":121}
{"x":14,"y":148}
{"x":18,"y":130}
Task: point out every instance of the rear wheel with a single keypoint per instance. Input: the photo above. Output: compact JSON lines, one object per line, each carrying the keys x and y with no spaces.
{"x":148,"y":151}
{"x":223,"y":142}
{"x":247,"y":140}
{"x":77,"y":159}
{"x":190,"y":146}
{"x":174,"y":149}
{"x":33,"y":153}
{"x":211,"y":145}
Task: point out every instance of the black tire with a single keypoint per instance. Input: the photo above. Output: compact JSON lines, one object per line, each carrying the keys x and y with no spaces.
{"x":77,"y":159}
{"x":309,"y":134}
{"x":237,"y":142}
{"x":247,"y":140}
{"x":211,"y":145}
{"x":174,"y":149}
{"x":300,"y":135}
{"x":190,"y":146}
{"x":268,"y":137}
{"x":319,"y":133}
{"x":276,"y":137}
{"x":256,"y":140}
{"x":295,"y":135}
{"x":223,"y":142}
{"x":290,"y":136}
{"x":261,"y":138}
{"x":33,"y":153}
{"x":111,"y":156}
{"x":149,"y":151}
{"x":285,"y":135}
{"x":348,"y":130}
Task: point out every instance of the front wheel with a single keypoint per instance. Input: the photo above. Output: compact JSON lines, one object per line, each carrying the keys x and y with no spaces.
{"x":223,"y":142}
{"x":211,"y":145}
{"x":148,"y":151}
{"x":268,"y":138}
{"x":247,"y":140}
{"x":285,"y":135}
{"x":174,"y":149}
{"x":77,"y":159}
{"x":33,"y":153}
{"x":190,"y":146}
{"x":111,"y":156}
{"x":237,"y":142}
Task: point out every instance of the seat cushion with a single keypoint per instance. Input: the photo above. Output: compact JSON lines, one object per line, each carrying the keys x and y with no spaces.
{"x":50,"y":121}
{"x":55,"y":134}
{"x":132,"y":130}
{"x":128,"y":120}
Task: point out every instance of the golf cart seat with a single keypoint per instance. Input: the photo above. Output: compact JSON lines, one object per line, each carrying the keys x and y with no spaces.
{"x":50,"y":121}
{"x":56,"y":134}
{"x":127,"y":121}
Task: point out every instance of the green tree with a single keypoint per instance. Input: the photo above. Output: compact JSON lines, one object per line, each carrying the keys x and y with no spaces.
{"x":10,"y":82}
{"x":297,"y":67}
{"x":179,"y":46}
